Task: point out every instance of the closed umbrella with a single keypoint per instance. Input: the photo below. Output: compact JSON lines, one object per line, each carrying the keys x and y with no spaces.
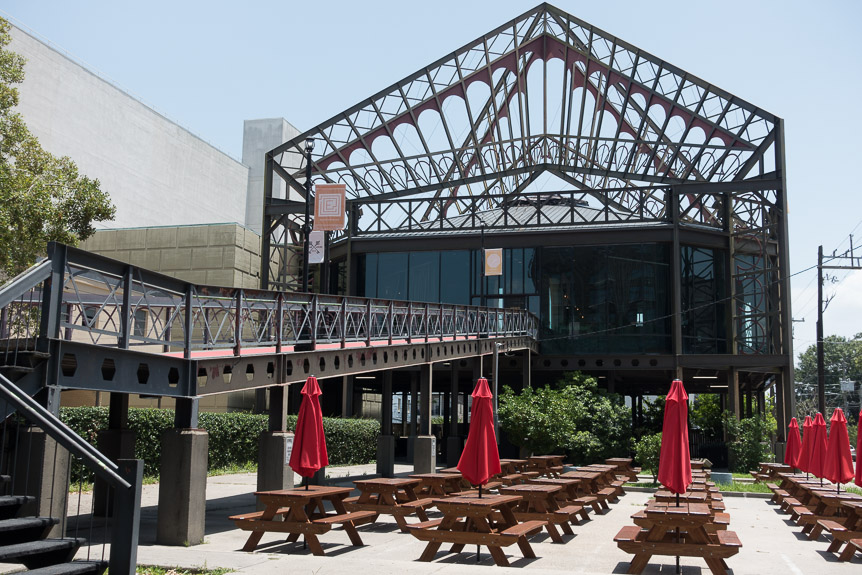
{"x":817,"y":464}
{"x":859,"y":451}
{"x":480,"y":459}
{"x":839,"y":462}
{"x":807,"y":436}
{"x":794,"y":445}
{"x":674,"y":467}
{"x":309,"y":443}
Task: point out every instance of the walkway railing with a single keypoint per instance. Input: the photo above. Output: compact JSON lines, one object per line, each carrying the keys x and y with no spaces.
{"x":79,"y":296}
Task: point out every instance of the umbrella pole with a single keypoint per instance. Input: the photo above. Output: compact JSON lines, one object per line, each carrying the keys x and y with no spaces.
{"x":480,"y":492}
{"x":678,"y":570}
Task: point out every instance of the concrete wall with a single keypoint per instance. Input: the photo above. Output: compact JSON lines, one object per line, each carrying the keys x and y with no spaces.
{"x":156,"y":172}
{"x":259,"y":137}
{"x":216,"y":254}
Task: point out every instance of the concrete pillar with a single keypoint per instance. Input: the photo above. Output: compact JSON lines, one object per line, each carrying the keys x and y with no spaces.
{"x":182,"y":487}
{"x":117,"y":442}
{"x":47,"y":467}
{"x":733,"y":395}
{"x":347,"y":396}
{"x":526,"y":370}
{"x":454,"y":442}
{"x":414,"y":410}
{"x":425,"y":447}
{"x":274,"y":446}
{"x":386,"y":441}
{"x":748,"y":401}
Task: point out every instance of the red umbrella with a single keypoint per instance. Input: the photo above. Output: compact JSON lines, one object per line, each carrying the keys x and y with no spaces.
{"x":674,"y":468}
{"x":480,"y":459}
{"x":817,"y":464}
{"x":859,"y":451}
{"x":839,"y":462}
{"x":794,"y":445}
{"x":807,"y":436}
{"x":309,"y":443}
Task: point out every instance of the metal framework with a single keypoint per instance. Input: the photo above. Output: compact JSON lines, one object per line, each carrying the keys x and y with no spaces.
{"x":628,"y":142}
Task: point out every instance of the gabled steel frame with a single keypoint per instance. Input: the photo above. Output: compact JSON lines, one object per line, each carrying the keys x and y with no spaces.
{"x":642,"y":142}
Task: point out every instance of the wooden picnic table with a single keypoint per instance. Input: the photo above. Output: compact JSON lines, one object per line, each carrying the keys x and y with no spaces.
{"x":691,"y":497}
{"x":438,"y":484}
{"x":539,"y":502}
{"x":394,"y":496}
{"x":623,"y":466}
{"x":471,"y":520}
{"x":661,"y":538}
{"x":550,"y":465}
{"x":513,"y":465}
{"x":303,"y":513}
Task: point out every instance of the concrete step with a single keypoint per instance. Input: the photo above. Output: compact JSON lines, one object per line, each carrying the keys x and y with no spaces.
{"x":72,"y":568}
{"x":35,"y":554}
{"x":22,"y":529}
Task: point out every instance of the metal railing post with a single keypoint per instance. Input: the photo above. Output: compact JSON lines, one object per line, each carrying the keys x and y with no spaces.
{"x":314,"y":320}
{"x":127,"y":519}
{"x":368,"y":321}
{"x":391,"y":314}
{"x":343,"y":322}
{"x":237,"y":324}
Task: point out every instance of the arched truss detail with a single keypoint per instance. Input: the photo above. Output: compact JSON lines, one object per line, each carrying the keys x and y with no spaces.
{"x":544,"y":91}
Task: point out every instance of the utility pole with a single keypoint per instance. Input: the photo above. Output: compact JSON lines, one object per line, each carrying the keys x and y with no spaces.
{"x":844,"y":261}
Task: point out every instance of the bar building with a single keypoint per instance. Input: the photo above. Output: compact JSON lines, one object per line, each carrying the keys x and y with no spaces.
{"x":642,"y":214}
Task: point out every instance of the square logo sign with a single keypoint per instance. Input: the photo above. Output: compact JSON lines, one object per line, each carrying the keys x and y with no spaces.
{"x":329,"y":207}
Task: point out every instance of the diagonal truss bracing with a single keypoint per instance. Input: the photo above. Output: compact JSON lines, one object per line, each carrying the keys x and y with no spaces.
{"x":544,"y":88}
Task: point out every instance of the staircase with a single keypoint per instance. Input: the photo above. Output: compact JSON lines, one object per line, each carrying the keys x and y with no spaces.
{"x":23,"y":540}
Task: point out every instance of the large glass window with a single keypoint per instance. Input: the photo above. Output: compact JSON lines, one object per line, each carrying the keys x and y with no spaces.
{"x":703,"y":292}
{"x":601,"y":299}
{"x":455,"y":277}
{"x":424,"y":276}
{"x":392,"y":275}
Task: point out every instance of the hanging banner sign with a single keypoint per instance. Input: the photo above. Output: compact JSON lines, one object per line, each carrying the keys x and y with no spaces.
{"x":315,"y":247}
{"x":494,"y":262}
{"x":329,"y":206}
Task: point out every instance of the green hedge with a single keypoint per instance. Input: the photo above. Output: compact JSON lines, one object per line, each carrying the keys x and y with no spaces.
{"x":233,"y":437}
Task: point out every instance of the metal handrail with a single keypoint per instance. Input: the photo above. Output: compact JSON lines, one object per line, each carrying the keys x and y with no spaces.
{"x":62,"y":434}
{"x":24,"y":282}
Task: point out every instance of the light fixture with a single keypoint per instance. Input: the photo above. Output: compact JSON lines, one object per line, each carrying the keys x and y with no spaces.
{"x":704,"y":377}
{"x":309,"y":146}
{"x":718,"y":387}
{"x":364,"y":377}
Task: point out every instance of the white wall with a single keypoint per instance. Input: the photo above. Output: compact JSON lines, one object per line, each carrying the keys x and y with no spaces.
{"x":156,"y":172}
{"x":259,"y":137}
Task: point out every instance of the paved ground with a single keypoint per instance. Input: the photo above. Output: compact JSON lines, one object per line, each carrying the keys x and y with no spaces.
{"x":771,"y":544}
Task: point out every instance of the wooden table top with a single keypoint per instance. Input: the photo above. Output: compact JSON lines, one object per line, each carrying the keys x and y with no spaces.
{"x":312,"y":491}
{"x":387,"y":481}
{"x":486,"y":501}
{"x":450,"y":475}
{"x":530,"y":489}
{"x":562,"y":481}
{"x":613,"y":460}
{"x":685,"y":509}
{"x":687,"y":496}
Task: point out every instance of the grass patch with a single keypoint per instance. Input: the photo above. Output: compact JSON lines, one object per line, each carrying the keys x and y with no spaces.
{"x":743,"y":487}
{"x":154,"y":570}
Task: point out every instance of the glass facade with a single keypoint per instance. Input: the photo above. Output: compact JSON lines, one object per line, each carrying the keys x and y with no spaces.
{"x":606,"y":299}
{"x":703,"y":291}
{"x":590,"y":299}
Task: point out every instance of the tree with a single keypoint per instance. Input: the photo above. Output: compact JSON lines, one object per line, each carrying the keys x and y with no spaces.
{"x":42,"y":198}
{"x":648,"y":453}
{"x":573,"y":416}
{"x":842,"y":360}
{"x":706,"y":415}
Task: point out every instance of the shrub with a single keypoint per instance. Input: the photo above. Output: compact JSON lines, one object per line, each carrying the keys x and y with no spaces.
{"x":647,"y":452}
{"x":574,"y":417}
{"x":750,"y":441}
{"x":233,"y":437}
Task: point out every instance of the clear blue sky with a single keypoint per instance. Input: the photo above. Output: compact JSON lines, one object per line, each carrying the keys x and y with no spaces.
{"x":211,"y":65}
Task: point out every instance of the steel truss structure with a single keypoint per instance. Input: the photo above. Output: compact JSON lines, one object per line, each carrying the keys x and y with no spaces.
{"x":633,"y":143}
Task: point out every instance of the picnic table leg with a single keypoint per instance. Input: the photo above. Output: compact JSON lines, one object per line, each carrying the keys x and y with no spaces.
{"x":552,"y":531}
{"x":354,"y":536}
{"x":566,"y":529}
{"x":292,"y":537}
{"x":401,"y":522}
{"x":456,"y":548}
{"x":848,"y":552}
{"x":314,"y":544}
{"x":715,"y":566}
{"x":252,"y":541}
{"x":498,"y":555}
{"x":430,"y":551}
{"x":421,"y":514}
{"x":639,"y":561}
{"x":526,"y":548}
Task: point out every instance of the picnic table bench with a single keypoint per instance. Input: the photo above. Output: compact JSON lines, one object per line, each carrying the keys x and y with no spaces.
{"x":539,"y":502}
{"x":843,"y":530}
{"x":303,"y":514}
{"x":471,"y":520}
{"x":394,"y":496}
{"x":693,"y":540}
{"x":568,"y":496}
